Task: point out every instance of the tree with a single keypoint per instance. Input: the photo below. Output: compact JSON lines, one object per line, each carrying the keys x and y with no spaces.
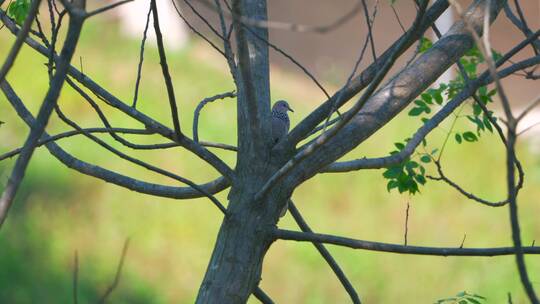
{"x":266,"y":175}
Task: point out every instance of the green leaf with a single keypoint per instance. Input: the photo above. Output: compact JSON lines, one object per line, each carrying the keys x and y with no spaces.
{"x":425,"y":44}
{"x":438,"y":98}
{"x":420,"y":103}
{"x":476,"y":109}
{"x":487,"y":123}
{"x":425,"y":159}
{"x":18,"y":10}
{"x":391,"y":185}
{"x":393,"y":172}
{"x":479,"y":296}
{"x":458,"y":138}
{"x":469,"y":136}
{"x":416,"y":111}
{"x":400,"y":146}
{"x":420,"y":178}
{"x":427,"y":98}
{"x":473,"y":300}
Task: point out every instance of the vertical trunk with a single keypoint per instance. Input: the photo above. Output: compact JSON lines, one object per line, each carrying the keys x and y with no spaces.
{"x":234,"y":270}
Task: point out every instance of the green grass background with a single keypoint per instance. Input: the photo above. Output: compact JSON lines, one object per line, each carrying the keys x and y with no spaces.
{"x":59,"y":211}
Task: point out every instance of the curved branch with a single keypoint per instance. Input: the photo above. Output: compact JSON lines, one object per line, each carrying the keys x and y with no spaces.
{"x":141,"y":163}
{"x":109,"y":176}
{"x":468,"y":195}
{"x":199,"y":108}
{"x":394,"y":248}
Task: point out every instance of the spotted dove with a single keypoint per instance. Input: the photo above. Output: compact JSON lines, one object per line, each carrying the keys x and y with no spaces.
{"x":280,"y":120}
{"x":280,"y":128}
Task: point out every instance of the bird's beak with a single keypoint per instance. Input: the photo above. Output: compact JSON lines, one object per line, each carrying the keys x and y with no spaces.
{"x":289,"y":108}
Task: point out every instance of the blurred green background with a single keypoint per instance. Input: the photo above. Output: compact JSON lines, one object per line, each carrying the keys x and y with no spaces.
{"x":59,"y":211}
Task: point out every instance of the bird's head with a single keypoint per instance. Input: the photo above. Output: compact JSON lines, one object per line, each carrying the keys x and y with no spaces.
{"x":281,"y":106}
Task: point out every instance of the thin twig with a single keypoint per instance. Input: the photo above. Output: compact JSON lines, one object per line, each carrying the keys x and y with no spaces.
{"x":75,"y":277}
{"x":165,"y":71}
{"x":106,"y":8}
{"x":193,"y":29}
{"x":141,"y":58}
{"x":200,"y":106}
{"x":294,"y":27}
{"x":463,"y":241}
{"x":116,"y":280}
{"x":406,"y":233}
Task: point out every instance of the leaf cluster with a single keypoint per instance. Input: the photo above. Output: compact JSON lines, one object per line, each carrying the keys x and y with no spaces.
{"x":18,"y":10}
{"x":463,"y":298}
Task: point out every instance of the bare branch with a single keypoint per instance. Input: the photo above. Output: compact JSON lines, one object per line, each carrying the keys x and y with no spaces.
{"x":533,"y":104}
{"x":193,"y":29}
{"x":212,"y":187}
{"x":106,"y":8}
{"x":71,"y":133}
{"x":116,"y":280}
{"x":113,"y":101}
{"x":75,"y":277}
{"x":511,"y":122}
{"x":165,"y":71}
{"x":442,"y":177}
{"x":293,"y":27}
{"x":395,"y":248}
{"x":138,"y":162}
{"x":17,"y":174}
{"x":262,"y":296}
{"x":141,"y":58}
{"x":200,"y":107}
{"x":518,"y":22}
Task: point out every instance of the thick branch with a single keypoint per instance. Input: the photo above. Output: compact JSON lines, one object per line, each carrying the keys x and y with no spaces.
{"x":309,"y":123}
{"x":254,"y":85}
{"x":430,"y":125}
{"x":384,"y":105}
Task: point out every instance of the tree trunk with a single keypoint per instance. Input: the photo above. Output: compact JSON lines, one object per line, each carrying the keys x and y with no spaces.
{"x":235,"y":268}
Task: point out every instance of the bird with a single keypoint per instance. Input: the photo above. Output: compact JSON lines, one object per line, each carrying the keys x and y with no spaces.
{"x":280,"y":128}
{"x":280,"y":120}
